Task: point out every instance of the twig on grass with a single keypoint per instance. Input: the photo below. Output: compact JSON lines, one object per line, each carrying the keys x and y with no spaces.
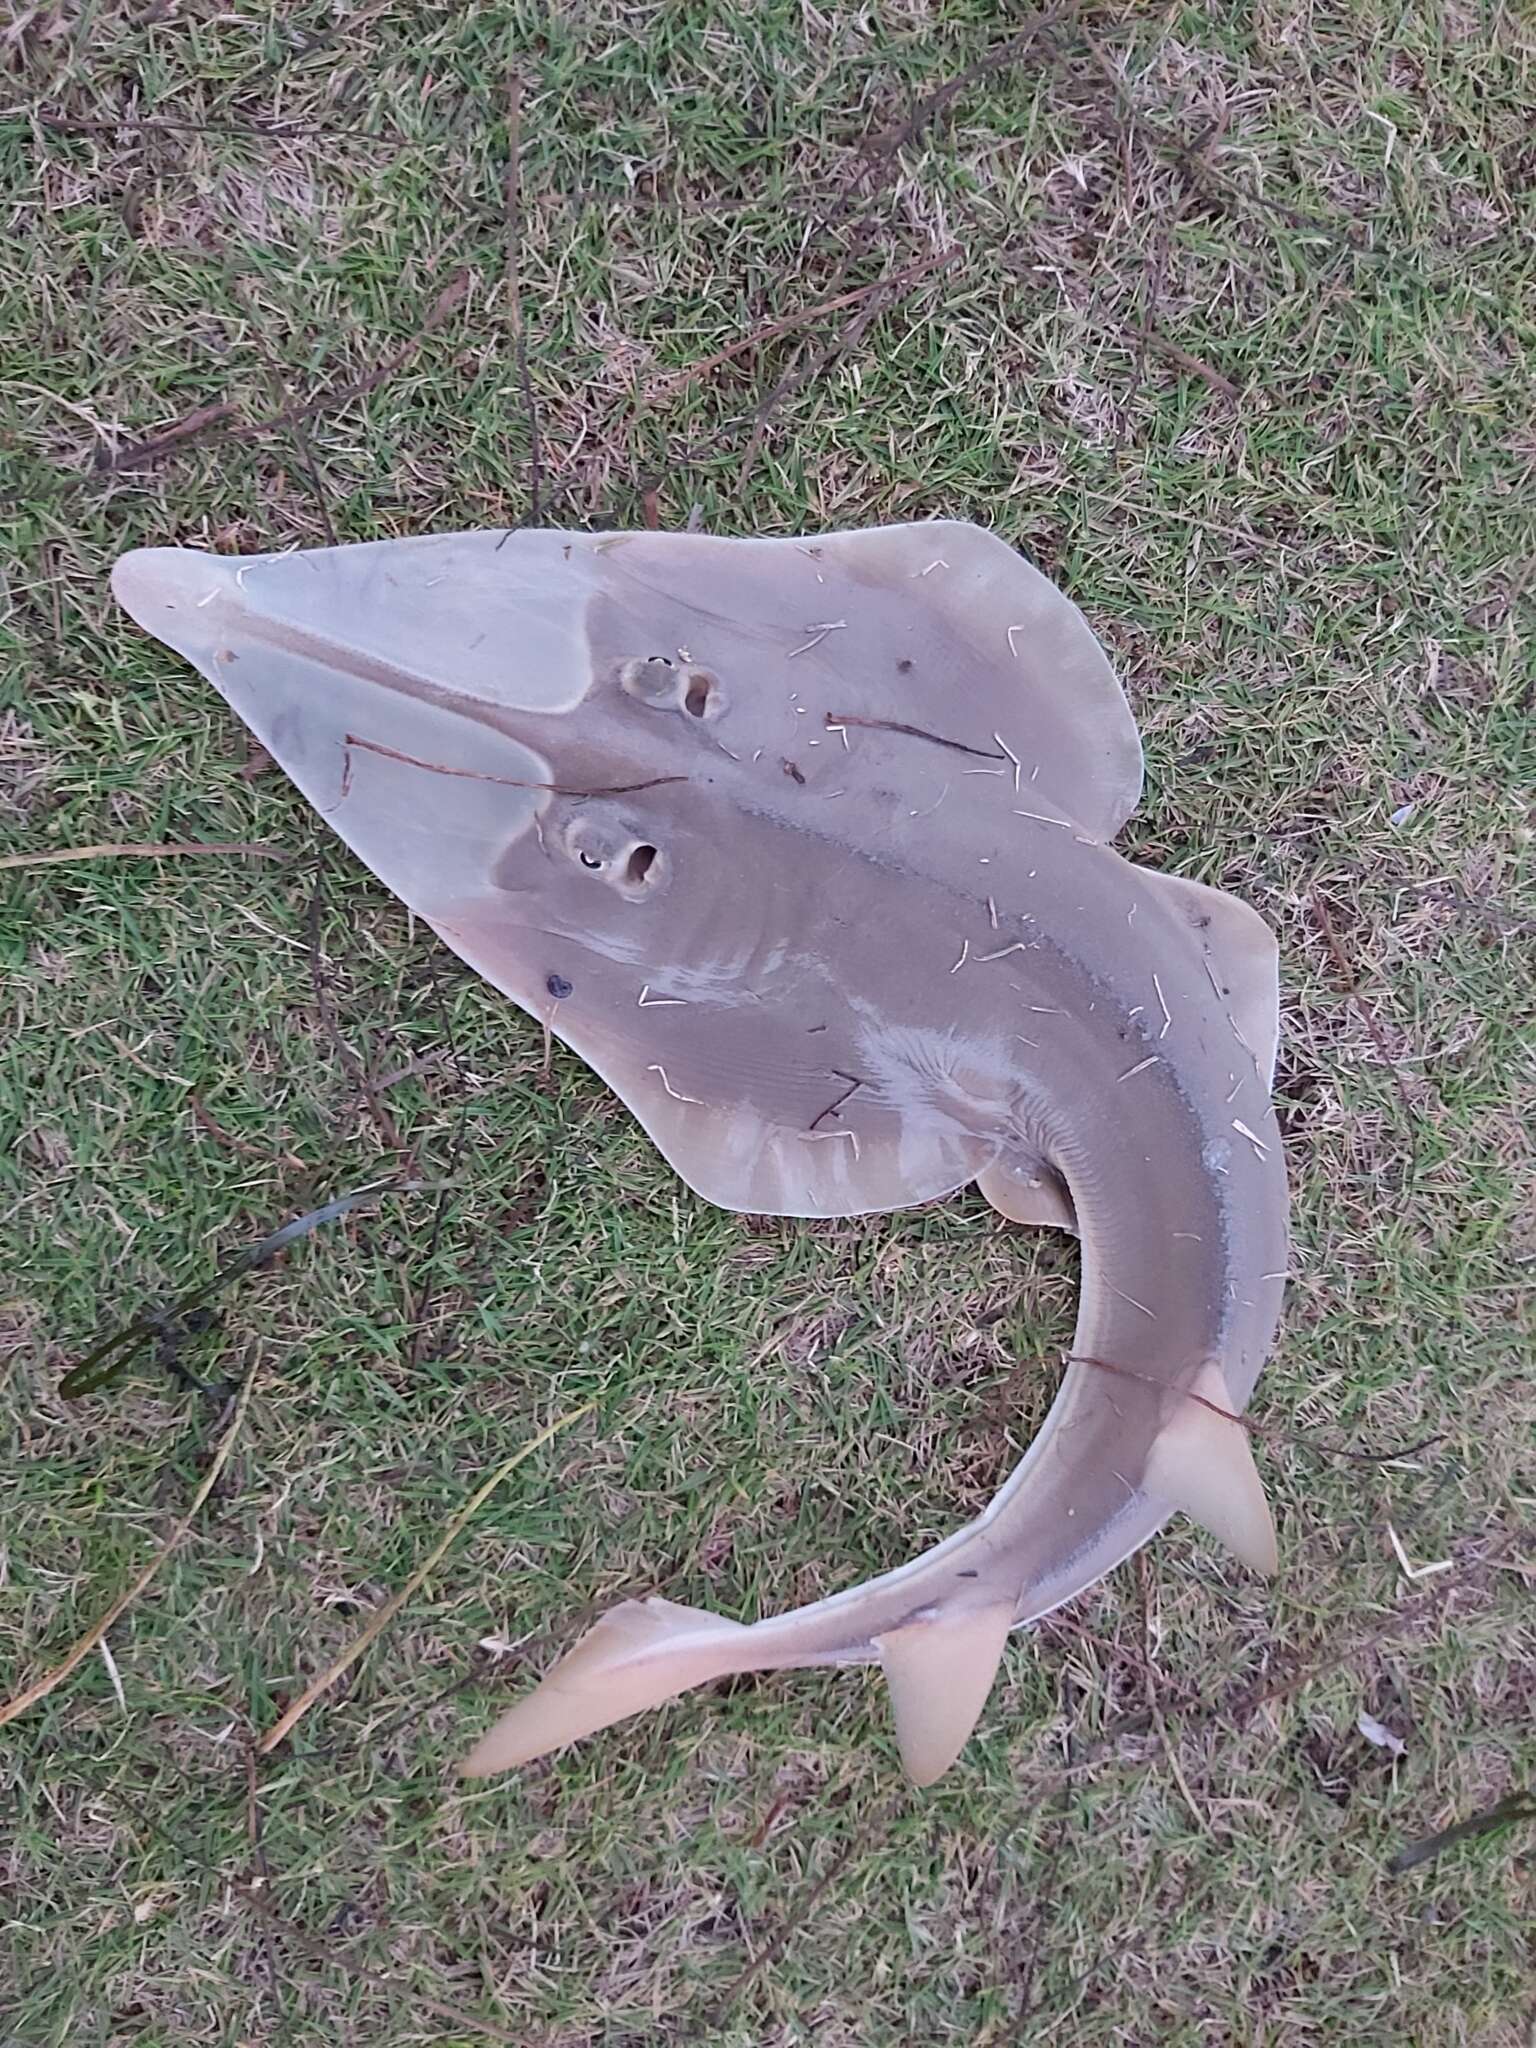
{"x":1512,"y":1808}
{"x":876,"y":164}
{"x":206,"y":1120}
{"x":1265,"y":1431}
{"x":797,"y":1916}
{"x":513,"y":204}
{"x":418,"y":1313}
{"x":386,"y":1614}
{"x":392,"y":1988}
{"x":1192,"y":160}
{"x":1155,"y":1705}
{"x":253,"y":1895}
{"x":1181,"y":359}
{"x":1046,"y":1887}
{"x":357,"y":1070}
{"x":155,"y":447}
{"x":59,"y":856}
{"x":262,"y":131}
{"x":106,"y":1361}
{"x":773,"y":330}
{"x":1349,"y":983}
{"x":40,"y":1688}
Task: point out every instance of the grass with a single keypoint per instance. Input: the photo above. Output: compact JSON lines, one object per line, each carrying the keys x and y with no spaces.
{"x":1301,"y":516}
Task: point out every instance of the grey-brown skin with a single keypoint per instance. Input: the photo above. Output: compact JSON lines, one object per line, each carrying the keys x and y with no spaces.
{"x":833,"y":965}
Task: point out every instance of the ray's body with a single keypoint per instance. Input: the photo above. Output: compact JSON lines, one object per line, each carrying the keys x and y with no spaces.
{"x":817,"y":878}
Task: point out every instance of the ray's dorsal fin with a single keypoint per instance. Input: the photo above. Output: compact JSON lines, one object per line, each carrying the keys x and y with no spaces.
{"x":940,"y":1672}
{"x":1202,"y":1462}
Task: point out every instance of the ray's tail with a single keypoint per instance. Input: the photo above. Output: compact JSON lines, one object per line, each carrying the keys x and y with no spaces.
{"x":1145,"y":1424}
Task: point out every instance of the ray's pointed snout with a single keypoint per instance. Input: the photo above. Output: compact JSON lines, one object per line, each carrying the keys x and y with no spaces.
{"x":168,"y":591}
{"x":500,"y":619}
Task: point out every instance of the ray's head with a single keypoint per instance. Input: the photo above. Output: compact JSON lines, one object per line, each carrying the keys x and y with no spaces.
{"x":591,"y":734}
{"x":440,"y":702}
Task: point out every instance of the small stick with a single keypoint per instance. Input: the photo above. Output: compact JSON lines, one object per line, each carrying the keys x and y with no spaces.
{"x":1349,"y":981}
{"x":423,"y":1303}
{"x":267,"y":131}
{"x":834,"y":719}
{"x":356,"y":1069}
{"x":506,"y":781}
{"x":1301,"y":1438}
{"x":97,"y":1632}
{"x":1149,"y":337}
{"x":151,"y":850}
{"x":215,"y":1129}
{"x":322,"y":1952}
{"x":393,"y":1605}
{"x":154,"y":446}
{"x":774,"y":328}
{"x":1202,"y":1820}
{"x":796,"y":1917}
{"x":514,"y":214}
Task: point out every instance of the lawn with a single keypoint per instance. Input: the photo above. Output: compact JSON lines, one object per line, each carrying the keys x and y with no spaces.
{"x":1225,"y":316}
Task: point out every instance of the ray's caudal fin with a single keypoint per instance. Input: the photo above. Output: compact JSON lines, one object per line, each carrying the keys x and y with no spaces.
{"x":843,"y":937}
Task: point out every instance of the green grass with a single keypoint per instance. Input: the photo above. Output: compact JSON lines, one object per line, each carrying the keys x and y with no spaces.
{"x":1319,"y":591}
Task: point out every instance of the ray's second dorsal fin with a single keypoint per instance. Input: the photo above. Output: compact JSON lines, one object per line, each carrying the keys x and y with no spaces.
{"x":940,"y":1671}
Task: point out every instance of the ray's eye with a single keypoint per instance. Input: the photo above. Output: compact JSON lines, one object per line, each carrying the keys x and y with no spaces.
{"x":589,"y":860}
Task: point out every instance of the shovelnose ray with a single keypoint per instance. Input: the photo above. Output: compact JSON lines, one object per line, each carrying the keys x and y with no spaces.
{"x":803,"y":845}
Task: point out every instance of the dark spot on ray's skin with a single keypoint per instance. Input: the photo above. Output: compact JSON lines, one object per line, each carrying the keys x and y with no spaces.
{"x":558,"y":987}
{"x":967,"y":1575}
{"x":904,"y":667}
{"x":812,"y":1028}
{"x":793,"y":772}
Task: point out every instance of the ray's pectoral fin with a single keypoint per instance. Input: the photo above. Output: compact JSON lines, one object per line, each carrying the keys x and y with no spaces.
{"x":940,"y":1672}
{"x":1029,"y":1192}
{"x":1202,"y":1462}
{"x":639,"y":1655}
{"x":1244,"y":960}
{"x":734,"y":1156}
